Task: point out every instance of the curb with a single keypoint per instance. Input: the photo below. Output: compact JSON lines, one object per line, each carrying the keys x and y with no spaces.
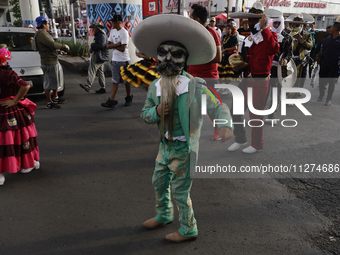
{"x":78,"y":68}
{"x":82,"y":67}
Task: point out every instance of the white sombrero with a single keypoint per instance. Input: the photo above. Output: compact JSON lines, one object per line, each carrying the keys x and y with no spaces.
{"x":307,"y":18}
{"x":153,"y":31}
{"x":271,"y":13}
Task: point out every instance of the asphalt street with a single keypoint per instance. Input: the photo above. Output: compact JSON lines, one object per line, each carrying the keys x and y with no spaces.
{"x":94,"y":188}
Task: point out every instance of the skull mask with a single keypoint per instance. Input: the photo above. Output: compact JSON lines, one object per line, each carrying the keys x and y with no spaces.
{"x":172,"y":57}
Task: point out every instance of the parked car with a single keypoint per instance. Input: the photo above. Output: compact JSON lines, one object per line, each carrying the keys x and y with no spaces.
{"x":25,"y":61}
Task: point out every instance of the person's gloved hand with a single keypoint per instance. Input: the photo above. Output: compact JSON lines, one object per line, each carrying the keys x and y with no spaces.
{"x":66,"y":47}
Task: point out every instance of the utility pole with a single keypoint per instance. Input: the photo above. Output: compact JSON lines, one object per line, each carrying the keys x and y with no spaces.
{"x":41,"y":8}
{"x":183,"y":9}
{"x":78,"y":3}
{"x":228,"y":2}
{"x":66,"y":10}
{"x":63,"y":12}
{"x":72,"y":22}
{"x":209,"y":8}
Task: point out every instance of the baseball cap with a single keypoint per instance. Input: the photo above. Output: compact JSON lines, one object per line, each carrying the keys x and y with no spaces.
{"x":213,"y":19}
{"x":40,"y":20}
{"x":117,"y":17}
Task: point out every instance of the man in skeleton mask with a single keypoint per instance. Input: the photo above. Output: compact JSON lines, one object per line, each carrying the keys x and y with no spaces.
{"x":302,"y":45}
{"x":174,"y":103}
{"x":281,"y":58}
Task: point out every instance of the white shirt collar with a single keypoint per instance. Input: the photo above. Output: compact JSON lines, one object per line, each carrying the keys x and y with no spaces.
{"x":257,"y":38}
{"x":182,"y":85}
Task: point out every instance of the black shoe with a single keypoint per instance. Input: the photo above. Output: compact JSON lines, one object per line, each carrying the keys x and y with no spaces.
{"x":101,"y":91}
{"x":58,"y":100}
{"x":128,"y":100}
{"x":110,"y":103}
{"x":320,"y":99}
{"x":52,"y":105}
{"x":87,"y":88}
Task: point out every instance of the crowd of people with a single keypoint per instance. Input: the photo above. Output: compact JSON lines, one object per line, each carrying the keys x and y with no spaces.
{"x":81,"y":32}
{"x":181,"y":59}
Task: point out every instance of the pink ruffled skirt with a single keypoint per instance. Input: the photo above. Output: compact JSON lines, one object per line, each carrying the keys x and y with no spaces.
{"x":18,"y":137}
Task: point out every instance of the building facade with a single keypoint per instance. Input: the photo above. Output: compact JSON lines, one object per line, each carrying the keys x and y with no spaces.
{"x":323,"y":11}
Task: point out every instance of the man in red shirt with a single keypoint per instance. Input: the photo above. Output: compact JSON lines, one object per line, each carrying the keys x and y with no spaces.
{"x":260,"y":46}
{"x":208,"y":71}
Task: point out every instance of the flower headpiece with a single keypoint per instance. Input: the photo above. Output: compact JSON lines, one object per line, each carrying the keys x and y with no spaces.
{"x":4,"y":55}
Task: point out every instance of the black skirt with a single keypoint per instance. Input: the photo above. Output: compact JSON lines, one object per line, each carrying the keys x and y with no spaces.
{"x":143,"y":71}
{"x":225,"y":70}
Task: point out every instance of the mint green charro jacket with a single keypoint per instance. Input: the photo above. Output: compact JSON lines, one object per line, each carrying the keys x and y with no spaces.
{"x":189,"y":106}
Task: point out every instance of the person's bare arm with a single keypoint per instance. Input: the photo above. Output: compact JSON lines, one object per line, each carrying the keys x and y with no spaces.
{"x":218,"y":57}
{"x":21,"y":93}
{"x":112,"y":45}
{"x":121,"y":48}
{"x":141,"y":55}
{"x":231,"y":48}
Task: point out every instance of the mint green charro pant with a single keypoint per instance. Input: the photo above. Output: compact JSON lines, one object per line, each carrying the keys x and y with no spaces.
{"x":173,"y":166}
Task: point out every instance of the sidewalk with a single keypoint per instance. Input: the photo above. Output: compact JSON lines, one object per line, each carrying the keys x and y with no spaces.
{"x":81,"y":64}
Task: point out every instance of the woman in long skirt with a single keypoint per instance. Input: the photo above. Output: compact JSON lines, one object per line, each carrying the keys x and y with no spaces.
{"x":229,"y":43}
{"x":18,"y":136}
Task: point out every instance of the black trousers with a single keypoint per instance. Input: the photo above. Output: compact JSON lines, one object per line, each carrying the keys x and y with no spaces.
{"x":328,"y":75}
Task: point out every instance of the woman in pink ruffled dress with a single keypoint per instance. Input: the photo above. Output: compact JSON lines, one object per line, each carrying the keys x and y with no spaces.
{"x":18,"y":136}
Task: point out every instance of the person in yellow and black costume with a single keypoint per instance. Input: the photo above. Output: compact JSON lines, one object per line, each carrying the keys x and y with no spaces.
{"x":229,"y":43}
{"x":141,"y":73}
